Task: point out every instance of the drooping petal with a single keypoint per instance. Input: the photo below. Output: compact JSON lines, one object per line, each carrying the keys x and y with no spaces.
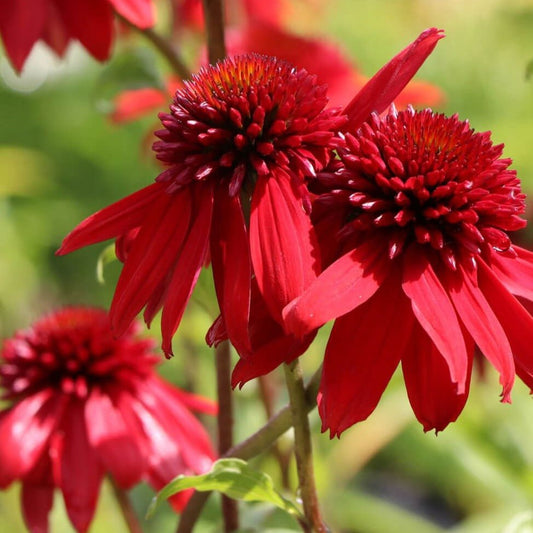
{"x":91,"y":22}
{"x":515,"y":272}
{"x":139,"y":12}
{"x":153,"y":253}
{"x":435,"y":312}
{"x":37,"y":503}
{"x":388,"y":82}
{"x":135,"y":103}
{"x":516,"y":321}
{"x":109,"y":435}
{"x":21,"y":25}
{"x":188,"y":264}
{"x":194,"y":402}
{"x":282,"y":242}
{"x":481,"y":322}
{"x":77,"y":469}
{"x":363,"y":352}
{"x":432,"y":393}
{"x":25,"y":431}
{"x":114,"y":220}
{"x":345,"y":284}
{"x":232,"y":269}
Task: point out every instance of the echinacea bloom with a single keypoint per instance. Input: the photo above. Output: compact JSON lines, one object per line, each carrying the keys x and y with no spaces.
{"x":57,"y":22}
{"x":83,"y":404}
{"x":420,"y":207}
{"x":239,"y":142}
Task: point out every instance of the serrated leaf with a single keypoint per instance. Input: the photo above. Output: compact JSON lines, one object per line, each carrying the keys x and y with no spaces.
{"x":107,"y":256}
{"x":232,"y":477}
{"x":132,"y":69}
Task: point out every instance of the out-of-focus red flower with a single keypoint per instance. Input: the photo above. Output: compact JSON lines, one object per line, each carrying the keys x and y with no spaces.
{"x":84,"y":403}
{"x":240,"y":141}
{"x":57,"y":22}
{"x":419,"y":206}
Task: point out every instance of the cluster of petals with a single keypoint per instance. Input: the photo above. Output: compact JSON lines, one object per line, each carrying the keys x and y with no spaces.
{"x":82,"y":404}
{"x":415,"y":216}
{"x":58,"y":22}
{"x":240,"y":142}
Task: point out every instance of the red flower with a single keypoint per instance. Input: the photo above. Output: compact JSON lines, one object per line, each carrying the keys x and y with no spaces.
{"x":424,"y":271}
{"x":83,"y":404}
{"x":239,"y":142}
{"x":57,"y":22}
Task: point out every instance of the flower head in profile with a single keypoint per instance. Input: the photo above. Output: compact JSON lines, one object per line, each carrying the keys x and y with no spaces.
{"x":83,"y":404}
{"x":58,"y":22}
{"x":240,"y":142}
{"x":422,"y":270}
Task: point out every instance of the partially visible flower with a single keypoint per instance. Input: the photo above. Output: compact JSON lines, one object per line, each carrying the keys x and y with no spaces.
{"x":57,"y":22}
{"x":83,"y":403}
{"x":240,"y":141}
{"x":419,"y":207}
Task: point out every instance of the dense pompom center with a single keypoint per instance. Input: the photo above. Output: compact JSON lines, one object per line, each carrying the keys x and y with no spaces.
{"x":427,"y":178}
{"x":238,"y":119}
{"x":71,"y":351}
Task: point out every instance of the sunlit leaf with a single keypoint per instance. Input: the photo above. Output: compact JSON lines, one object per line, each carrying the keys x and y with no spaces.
{"x":232,"y":477}
{"x":107,"y":256}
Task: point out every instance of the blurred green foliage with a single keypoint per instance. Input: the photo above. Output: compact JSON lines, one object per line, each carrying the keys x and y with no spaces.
{"x":61,"y":159}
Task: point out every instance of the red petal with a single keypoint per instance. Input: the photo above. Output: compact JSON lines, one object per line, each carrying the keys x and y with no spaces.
{"x":25,"y":431}
{"x":76,"y":467}
{"x":114,"y":220}
{"x":389,"y":81}
{"x":131,"y":105}
{"x":344,"y":285}
{"x":432,"y":393}
{"x":481,"y":322}
{"x":515,"y":272}
{"x":363,"y":351}
{"x":191,"y":401}
{"x":152,"y":255}
{"x":188,"y":264}
{"x":435,"y":312}
{"x":282,"y":242}
{"x":232,"y":270}
{"x":91,"y":22}
{"x":36,"y":502}
{"x":109,"y":435}
{"x":516,"y":321}
{"x":139,"y":12}
{"x":21,"y":25}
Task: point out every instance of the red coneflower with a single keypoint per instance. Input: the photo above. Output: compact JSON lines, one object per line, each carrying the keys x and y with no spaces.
{"x":84,"y":403}
{"x":424,"y":268}
{"x":240,"y":141}
{"x":57,"y":22}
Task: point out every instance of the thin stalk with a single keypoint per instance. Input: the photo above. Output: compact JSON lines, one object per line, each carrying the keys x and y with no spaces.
{"x":303,"y":449}
{"x":165,"y":47}
{"x":230,"y":511}
{"x":252,"y":446}
{"x":214,"y":25}
{"x":126,"y":508}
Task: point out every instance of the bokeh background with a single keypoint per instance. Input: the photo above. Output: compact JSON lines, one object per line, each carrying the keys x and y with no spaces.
{"x":61,"y":159}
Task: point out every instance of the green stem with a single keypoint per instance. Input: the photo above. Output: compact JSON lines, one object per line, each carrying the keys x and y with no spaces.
{"x":252,"y":446}
{"x":165,"y":47}
{"x":303,"y":449}
{"x":128,"y":512}
{"x":230,"y":510}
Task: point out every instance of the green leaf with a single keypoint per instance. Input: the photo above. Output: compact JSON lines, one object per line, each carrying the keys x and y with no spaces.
{"x":107,"y":256}
{"x":232,"y":477}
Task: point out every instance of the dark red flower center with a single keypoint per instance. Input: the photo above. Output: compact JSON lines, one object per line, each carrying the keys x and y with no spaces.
{"x":426,"y":178}
{"x":71,"y":350}
{"x":240,"y":118}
